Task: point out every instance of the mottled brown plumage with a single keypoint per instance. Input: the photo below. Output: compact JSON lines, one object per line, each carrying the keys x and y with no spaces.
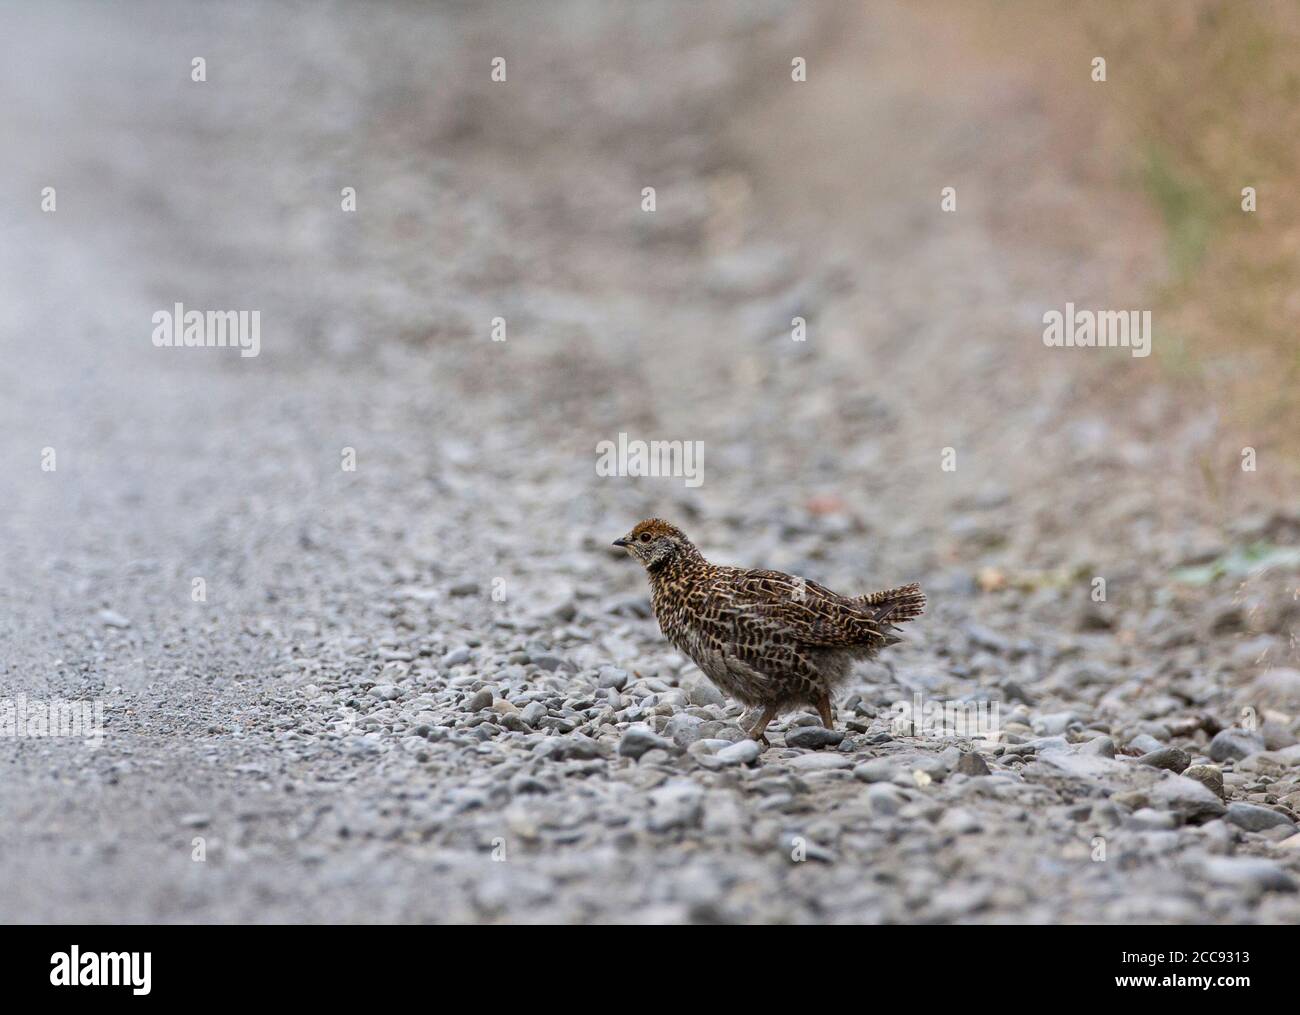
{"x":765,"y":638}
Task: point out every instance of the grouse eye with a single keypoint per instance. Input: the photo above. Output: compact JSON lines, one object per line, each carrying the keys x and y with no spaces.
{"x":645,"y":537}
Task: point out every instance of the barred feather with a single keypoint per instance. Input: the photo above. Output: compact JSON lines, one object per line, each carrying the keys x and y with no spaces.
{"x":896,"y":605}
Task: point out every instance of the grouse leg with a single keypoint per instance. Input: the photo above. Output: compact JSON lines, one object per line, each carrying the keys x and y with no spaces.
{"x":824,"y":709}
{"x":756,"y":731}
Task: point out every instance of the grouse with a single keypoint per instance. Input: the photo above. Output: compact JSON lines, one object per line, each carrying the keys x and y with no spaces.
{"x":765,"y":638}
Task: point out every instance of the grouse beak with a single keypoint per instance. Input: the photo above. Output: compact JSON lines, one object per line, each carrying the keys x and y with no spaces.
{"x":620,"y":542}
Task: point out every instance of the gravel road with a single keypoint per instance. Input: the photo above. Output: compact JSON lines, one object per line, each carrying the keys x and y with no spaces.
{"x":426,"y":688}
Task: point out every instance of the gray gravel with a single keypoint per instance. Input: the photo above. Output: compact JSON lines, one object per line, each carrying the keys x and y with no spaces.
{"x":428,"y":690}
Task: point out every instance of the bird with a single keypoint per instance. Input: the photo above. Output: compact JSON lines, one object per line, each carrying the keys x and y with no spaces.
{"x":768,"y":639}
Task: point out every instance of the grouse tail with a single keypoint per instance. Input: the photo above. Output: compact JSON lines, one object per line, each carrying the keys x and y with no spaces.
{"x":894,"y":606}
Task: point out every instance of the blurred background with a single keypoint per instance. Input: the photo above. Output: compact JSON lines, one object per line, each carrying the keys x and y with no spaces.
{"x":522,"y":199}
